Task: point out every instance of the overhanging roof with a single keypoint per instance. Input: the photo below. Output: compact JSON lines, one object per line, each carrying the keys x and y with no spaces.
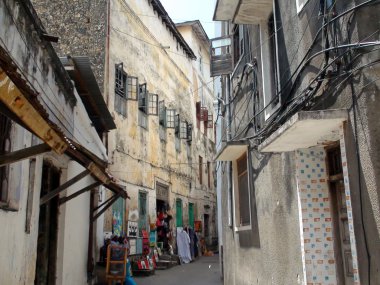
{"x":79,"y":69}
{"x":198,"y":29}
{"x":306,"y":129}
{"x":243,"y":11}
{"x":157,"y":6}
{"x":232,"y":151}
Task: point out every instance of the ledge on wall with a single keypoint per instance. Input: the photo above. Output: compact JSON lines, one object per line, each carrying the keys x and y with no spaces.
{"x":306,"y":129}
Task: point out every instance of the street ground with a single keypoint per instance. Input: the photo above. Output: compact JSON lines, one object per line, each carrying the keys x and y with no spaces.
{"x":203,"y":271}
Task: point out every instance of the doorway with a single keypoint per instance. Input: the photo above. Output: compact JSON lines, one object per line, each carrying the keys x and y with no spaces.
{"x":206,"y":222}
{"x":47,"y":229}
{"x":342,"y":245}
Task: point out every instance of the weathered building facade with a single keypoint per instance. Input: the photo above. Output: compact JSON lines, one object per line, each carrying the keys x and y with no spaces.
{"x":52,"y":159}
{"x":158,"y":88}
{"x":300,"y":166}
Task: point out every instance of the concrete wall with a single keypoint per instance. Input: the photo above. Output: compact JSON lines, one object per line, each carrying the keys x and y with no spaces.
{"x":40,"y":67}
{"x":274,"y":254}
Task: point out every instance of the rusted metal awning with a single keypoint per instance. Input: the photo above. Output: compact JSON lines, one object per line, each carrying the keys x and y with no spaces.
{"x":22,"y":105}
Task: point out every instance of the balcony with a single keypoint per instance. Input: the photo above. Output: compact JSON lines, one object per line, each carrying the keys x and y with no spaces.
{"x":243,"y":11}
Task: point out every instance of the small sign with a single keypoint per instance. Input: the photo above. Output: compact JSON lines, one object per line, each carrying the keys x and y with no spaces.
{"x":198,"y":226}
{"x":132,"y":229}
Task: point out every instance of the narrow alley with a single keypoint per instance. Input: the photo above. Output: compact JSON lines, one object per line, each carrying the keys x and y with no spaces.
{"x":203,"y":271}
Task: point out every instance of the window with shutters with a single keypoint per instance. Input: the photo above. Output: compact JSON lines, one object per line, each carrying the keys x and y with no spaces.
{"x":132,"y":87}
{"x":170,"y":118}
{"x":153,"y":104}
{"x":162,"y":113}
{"x":183,"y":130}
{"x":242,"y":193}
{"x":177,"y":125}
{"x":120,"y":90}
{"x":221,"y":56}
{"x":142,"y":106}
{"x":198,"y":114}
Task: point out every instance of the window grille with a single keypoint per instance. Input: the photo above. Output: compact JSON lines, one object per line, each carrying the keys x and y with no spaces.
{"x":170,"y":116}
{"x":183,"y":131}
{"x":143,"y":98}
{"x":162,"y":113}
{"x":132,"y":87}
{"x":198,"y":113}
{"x":153,"y":104}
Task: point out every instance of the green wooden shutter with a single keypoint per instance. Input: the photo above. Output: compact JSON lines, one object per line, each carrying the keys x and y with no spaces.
{"x":179,"y":213}
{"x":191,"y":215}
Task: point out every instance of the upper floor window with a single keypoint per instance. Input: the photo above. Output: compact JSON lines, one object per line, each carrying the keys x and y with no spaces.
{"x":238,"y":42}
{"x":269,"y":65}
{"x":242,"y":193}
{"x":120,"y":90}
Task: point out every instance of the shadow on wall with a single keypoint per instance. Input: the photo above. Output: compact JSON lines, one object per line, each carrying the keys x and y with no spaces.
{"x":251,"y":238}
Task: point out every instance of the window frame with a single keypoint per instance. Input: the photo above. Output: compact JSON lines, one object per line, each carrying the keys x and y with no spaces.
{"x":269,"y":66}
{"x":184,"y":130}
{"x":170,"y":116}
{"x":236,"y":195}
{"x":177,"y":125}
{"x":132,"y":83}
{"x":142,"y":98}
{"x":152,"y":104}
{"x":162,"y":113}
{"x":120,"y":91}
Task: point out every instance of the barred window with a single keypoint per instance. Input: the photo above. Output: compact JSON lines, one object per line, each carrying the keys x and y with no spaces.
{"x":243,"y":190}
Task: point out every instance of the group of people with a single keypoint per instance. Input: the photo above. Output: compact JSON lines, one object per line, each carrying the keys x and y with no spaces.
{"x":187,"y":244}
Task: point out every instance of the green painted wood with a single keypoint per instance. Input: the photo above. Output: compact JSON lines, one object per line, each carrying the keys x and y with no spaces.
{"x":179,"y":213}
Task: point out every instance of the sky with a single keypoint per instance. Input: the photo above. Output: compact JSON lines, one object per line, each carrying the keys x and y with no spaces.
{"x":187,"y":10}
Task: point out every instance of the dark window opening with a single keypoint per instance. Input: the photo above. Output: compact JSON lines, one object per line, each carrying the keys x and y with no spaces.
{"x":143,"y":98}
{"x":243,"y":188}
{"x":5,"y":147}
{"x":177,"y":125}
{"x":120,"y":90}
{"x":189,"y":133}
{"x":273,"y":58}
{"x":238,"y":41}
{"x":162,"y":113}
{"x":208,"y":175}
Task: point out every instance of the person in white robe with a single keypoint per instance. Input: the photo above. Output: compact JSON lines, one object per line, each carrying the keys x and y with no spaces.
{"x":183,"y":243}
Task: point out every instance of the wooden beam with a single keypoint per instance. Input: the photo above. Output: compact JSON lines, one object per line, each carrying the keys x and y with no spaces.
{"x":62,"y":187}
{"x":85,"y":189}
{"x":113,"y":200}
{"x":22,"y":154}
{"x":17,"y":103}
{"x":102,"y":204}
